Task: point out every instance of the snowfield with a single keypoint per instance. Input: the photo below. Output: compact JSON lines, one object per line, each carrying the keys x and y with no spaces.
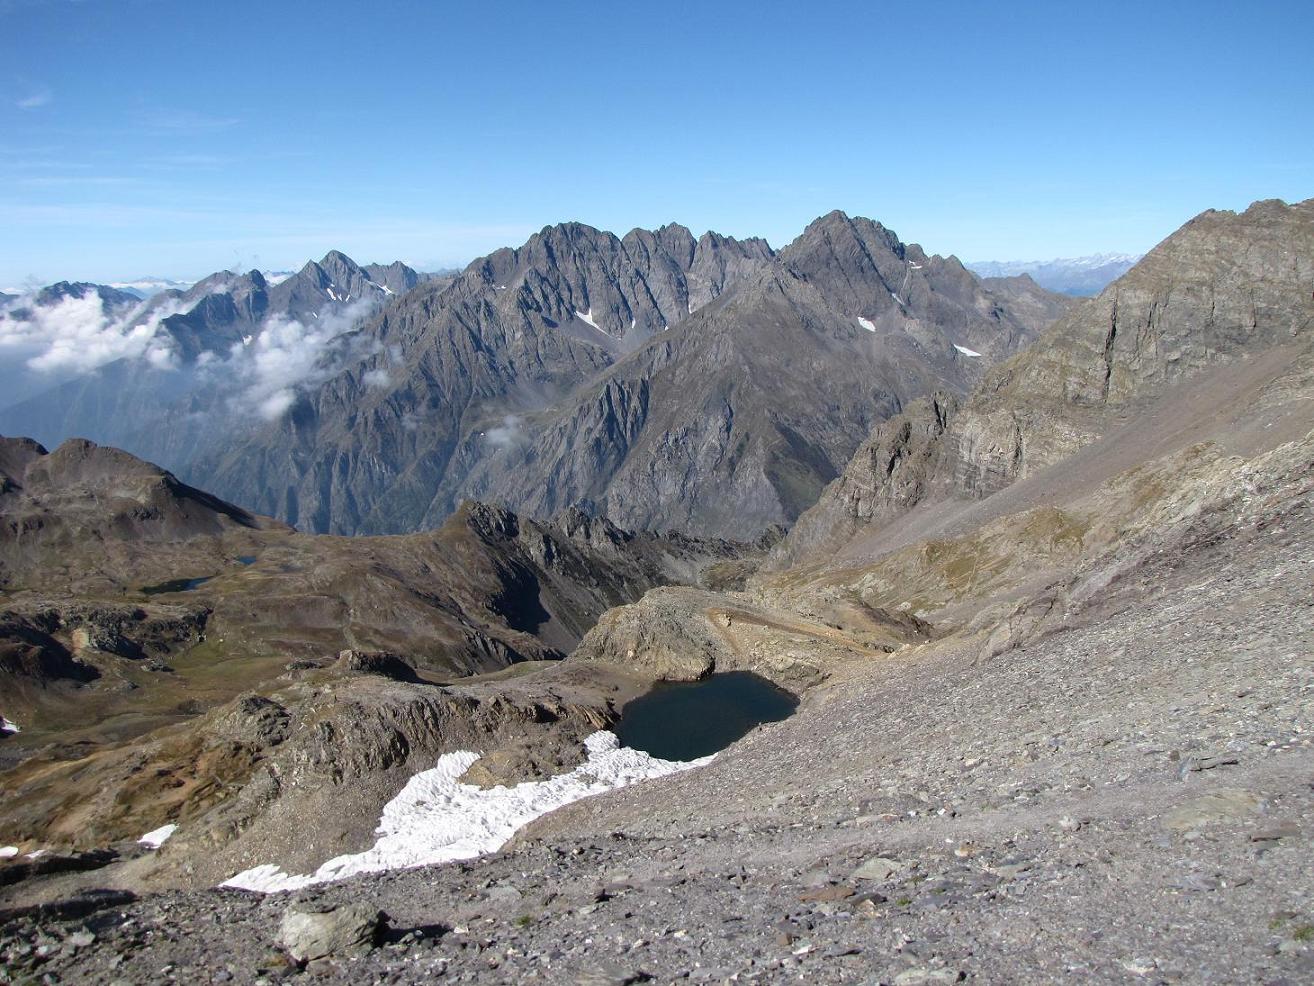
{"x":158,"y":837}
{"x":437,"y":819}
{"x":588,"y":318}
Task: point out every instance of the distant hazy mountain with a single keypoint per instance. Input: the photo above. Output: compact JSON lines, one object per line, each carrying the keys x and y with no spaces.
{"x":145,"y":287}
{"x":1082,"y":276}
{"x":154,"y":376}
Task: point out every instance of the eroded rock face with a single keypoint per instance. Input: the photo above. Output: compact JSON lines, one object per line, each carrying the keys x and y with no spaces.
{"x":682,"y":634}
{"x":892,"y":471}
{"x":1223,"y":285}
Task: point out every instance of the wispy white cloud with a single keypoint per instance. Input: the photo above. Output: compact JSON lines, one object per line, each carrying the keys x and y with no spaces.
{"x":183,"y":122}
{"x":35,"y":98}
{"x":287,"y":355}
{"x":57,"y":181}
{"x":506,"y":435}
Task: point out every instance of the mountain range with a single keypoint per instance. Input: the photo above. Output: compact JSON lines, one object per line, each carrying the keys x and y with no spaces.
{"x":618,"y":375}
{"x":1080,"y":276}
{"x":164,"y":375}
{"x":628,"y":376}
{"x":1045,"y":629}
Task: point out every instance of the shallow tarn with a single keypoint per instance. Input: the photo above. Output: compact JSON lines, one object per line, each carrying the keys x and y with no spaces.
{"x":686,"y":720}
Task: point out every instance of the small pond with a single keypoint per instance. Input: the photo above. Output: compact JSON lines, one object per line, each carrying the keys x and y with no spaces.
{"x":175,"y":585}
{"x":687,"y":720}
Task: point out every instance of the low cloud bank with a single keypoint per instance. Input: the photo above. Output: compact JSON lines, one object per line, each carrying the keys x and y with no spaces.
{"x":78,"y":334}
{"x":267,"y":370}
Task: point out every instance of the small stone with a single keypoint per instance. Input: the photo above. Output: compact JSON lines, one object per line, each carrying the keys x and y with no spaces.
{"x":1223,"y":805}
{"x":311,"y":932}
{"x":877,"y":868}
{"x":80,"y":939}
{"x":1284,"y":830}
{"x":1139,"y":967}
{"x":836,"y":892}
{"x":923,"y":974}
{"x":1069,"y":824}
{"x":607,"y":976}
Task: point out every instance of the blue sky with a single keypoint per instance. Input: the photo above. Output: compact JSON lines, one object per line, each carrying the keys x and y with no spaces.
{"x":176,"y":138}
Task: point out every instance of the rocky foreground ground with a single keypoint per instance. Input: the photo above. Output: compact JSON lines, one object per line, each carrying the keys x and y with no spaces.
{"x":1123,"y":800}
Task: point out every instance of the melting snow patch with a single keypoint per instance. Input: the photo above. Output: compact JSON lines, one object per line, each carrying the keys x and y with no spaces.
{"x":38,"y":854}
{"x":965,"y":351}
{"x":866,"y":323}
{"x":8,"y":852}
{"x":158,"y":837}
{"x":914,"y":266}
{"x":8,"y":726}
{"x":436,"y":819}
{"x":897,"y":298}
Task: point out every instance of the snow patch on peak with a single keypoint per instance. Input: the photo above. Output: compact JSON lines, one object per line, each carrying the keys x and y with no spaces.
{"x":965,"y":351}
{"x":867,"y":324}
{"x":437,"y":819}
{"x":588,"y":317}
{"x":8,"y":726}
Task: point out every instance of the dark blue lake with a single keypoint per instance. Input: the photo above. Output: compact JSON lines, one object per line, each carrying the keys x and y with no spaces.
{"x":687,"y":720}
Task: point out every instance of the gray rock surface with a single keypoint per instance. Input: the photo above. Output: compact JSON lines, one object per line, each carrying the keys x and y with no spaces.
{"x":311,"y":932}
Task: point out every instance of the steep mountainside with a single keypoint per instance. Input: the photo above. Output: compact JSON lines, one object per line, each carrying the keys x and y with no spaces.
{"x":504,"y":387}
{"x":739,"y":418}
{"x":1220,"y":289}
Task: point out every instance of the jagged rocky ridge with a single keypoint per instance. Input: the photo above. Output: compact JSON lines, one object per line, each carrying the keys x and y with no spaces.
{"x":750,"y":378}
